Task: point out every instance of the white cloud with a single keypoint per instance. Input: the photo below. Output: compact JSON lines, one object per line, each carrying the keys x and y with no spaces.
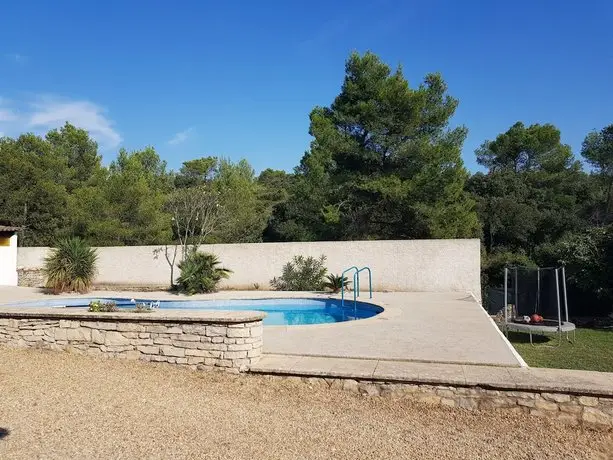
{"x":17,"y":58}
{"x":7,"y":115}
{"x":180,"y":137}
{"x":42,"y":113}
{"x":51,"y":112}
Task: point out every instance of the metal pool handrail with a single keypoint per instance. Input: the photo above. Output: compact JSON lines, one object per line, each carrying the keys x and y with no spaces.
{"x":343,"y":284}
{"x":356,"y":276}
{"x":356,"y":284}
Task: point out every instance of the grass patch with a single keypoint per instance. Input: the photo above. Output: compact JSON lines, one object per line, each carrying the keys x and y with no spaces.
{"x":592,"y":351}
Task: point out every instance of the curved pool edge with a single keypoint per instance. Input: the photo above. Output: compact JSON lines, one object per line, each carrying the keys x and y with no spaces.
{"x":387,"y":312}
{"x":379,"y":310}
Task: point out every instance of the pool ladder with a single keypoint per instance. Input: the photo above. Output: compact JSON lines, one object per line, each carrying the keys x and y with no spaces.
{"x":356,"y":285}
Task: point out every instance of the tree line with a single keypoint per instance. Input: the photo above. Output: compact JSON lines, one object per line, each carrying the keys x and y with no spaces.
{"x":384,"y":163}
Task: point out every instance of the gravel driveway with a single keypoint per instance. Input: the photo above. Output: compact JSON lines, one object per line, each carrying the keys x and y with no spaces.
{"x":60,"y":406}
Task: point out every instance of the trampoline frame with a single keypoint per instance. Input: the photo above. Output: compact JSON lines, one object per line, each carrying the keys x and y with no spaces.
{"x":563,"y":326}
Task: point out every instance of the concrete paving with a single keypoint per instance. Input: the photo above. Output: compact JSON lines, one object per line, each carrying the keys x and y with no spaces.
{"x":501,"y":378}
{"x":415,"y":326}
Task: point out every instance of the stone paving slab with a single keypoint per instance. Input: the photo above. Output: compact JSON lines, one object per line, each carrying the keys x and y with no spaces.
{"x":487,"y":375}
{"x":342,"y":367}
{"x":312,"y":366}
{"x":433,"y":373}
{"x":502,"y":378}
{"x":564,"y":380}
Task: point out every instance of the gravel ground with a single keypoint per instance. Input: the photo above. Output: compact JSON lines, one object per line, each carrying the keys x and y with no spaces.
{"x":60,"y":405}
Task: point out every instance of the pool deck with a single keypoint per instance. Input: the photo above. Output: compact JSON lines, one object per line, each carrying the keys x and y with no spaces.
{"x":429,"y":327}
{"x":446,"y":328}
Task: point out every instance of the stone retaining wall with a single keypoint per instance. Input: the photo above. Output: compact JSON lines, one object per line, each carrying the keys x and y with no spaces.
{"x":30,"y":277}
{"x":587,"y":411}
{"x":199,"y":343}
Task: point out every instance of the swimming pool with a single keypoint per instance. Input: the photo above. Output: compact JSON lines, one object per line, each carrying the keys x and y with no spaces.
{"x":279,"y":311}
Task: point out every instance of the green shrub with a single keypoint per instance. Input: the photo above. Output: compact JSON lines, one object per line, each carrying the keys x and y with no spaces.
{"x":588,"y":259}
{"x":200,"y":273}
{"x":492,"y":270}
{"x":100,"y":306}
{"x":336,"y":282}
{"x":492,"y":273}
{"x":71,"y":266}
{"x":302,"y":274}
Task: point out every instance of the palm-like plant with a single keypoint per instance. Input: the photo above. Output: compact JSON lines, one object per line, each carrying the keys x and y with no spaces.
{"x":200,"y":273}
{"x":71,"y":266}
{"x":336,"y":282}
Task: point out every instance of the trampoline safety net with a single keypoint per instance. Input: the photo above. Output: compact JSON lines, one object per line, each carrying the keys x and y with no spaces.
{"x":534,"y":290}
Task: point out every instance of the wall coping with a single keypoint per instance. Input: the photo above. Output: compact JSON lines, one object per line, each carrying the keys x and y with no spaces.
{"x":155,"y":316}
{"x":532,"y":379}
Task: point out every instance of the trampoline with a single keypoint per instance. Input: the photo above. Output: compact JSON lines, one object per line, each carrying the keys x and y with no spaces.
{"x":536,"y":291}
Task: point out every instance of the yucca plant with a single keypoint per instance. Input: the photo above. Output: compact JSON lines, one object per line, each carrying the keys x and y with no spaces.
{"x":200,"y":273}
{"x":70,"y":267}
{"x":336,"y":282}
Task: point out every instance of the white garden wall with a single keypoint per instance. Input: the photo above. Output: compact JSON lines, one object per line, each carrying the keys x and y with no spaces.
{"x":408,"y":265}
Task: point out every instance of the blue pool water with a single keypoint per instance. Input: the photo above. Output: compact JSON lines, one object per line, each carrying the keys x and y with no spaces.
{"x":279,"y":311}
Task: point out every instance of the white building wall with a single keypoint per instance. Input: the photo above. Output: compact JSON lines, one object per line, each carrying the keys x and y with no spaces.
{"x":407,"y":265}
{"x":8,"y":263}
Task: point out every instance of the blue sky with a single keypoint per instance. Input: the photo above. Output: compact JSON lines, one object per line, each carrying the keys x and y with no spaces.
{"x":238,"y":79}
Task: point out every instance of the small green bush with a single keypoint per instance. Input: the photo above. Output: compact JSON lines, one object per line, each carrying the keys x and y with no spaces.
{"x":492,"y":266}
{"x":100,"y":306}
{"x":71,"y":266}
{"x":588,"y":258}
{"x":200,"y":273}
{"x":336,"y":282}
{"x":302,"y":274}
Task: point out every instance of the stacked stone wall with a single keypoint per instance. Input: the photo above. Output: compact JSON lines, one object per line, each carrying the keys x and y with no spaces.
{"x":229,"y":346}
{"x":589,"y":411}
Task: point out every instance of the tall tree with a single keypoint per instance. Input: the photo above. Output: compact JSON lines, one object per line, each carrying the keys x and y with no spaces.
{"x":196,"y":172}
{"x":276,"y":191}
{"x":136,"y":190}
{"x":33,"y":194}
{"x":245,"y":212}
{"x":507,"y":210}
{"x":227,"y":193}
{"x":383,"y":162}
{"x":80,"y":152}
{"x":534,"y":191}
{"x":598,"y":151}
{"x":537,"y":147}
{"x":275,"y":185}
{"x":87,"y":204}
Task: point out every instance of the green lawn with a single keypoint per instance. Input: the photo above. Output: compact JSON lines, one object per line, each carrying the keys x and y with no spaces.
{"x":593,"y":350}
